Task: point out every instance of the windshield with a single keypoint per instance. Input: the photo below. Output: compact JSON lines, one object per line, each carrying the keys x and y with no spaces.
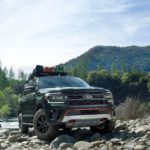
{"x":60,"y":81}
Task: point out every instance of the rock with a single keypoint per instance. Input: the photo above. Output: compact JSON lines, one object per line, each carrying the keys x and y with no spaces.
{"x":109,"y":144}
{"x":36,"y":141}
{"x":4,"y":145}
{"x":69,"y":148}
{"x":4,"y":132}
{"x":141,"y":129}
{"x":104,"y":148}
{"x":13,"y":138}
{"x":22,"y":139}
{"x":41,"y":149}
{"x":120,"y":126}
{"x":15,"y":133}
{"x":139,"y":147}
{"x":61,"y":139}
{"x":65,"y":145}
{"x":96,"y":143}
{"x":95,"y":137}
{"x":82,"y":145}
{"x":31,"y":138}
{"x":116,"y":141}
{"x":129,"y":146}
{"x":3,"y":136}
{"x":148,"y":143}
{"x":1,"y":140}
{"x":12,"y":148}
{"x":25,"y":143}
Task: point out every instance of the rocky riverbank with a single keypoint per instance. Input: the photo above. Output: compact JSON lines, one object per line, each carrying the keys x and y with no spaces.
{"x":128,"y":135}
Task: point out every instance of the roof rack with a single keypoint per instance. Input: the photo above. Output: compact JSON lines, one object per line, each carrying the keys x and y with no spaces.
{"x":40,"y":71}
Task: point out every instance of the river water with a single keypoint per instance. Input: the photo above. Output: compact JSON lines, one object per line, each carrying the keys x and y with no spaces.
{"x":11,"y":123}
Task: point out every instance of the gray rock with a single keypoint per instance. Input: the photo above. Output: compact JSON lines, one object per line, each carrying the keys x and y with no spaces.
{"x":15,"y":146}
{"x":12,"y":148}
{"x":69,"y":148}
{"x":61,"y":139}
{"x":13,"y":138}
{"x":3,"y":136}
{"x":65,"y":145}
{"x":115,"y":141}
{"x":129,"y":146}
{"x":148,"y":142}
{"x":97,"y":143}
{"x":141,"y":129}
{"x":33,"y":137}
{"x":36,"y":141}
{"x":95,"y":137}
{"x":25,"y":143}
{"x":104,"y":148}
{"x":42,"y":148}
{"x":139,"y":147}
{"x":120,"y":126}
{"x":82,"y":145}
{"x":4,"y":132}
{"x":14,"y":133}
{"x":22,"y":139}
{"x":4,"y":145}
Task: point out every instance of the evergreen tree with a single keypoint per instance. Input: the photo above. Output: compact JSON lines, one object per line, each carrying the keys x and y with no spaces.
{"x":11,"y":74}
{"x":21,"y":75}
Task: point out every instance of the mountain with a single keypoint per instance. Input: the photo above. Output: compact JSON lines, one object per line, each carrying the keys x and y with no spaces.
{"x":131,"y":57}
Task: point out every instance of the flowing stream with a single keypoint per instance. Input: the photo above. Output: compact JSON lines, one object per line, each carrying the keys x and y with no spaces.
{"x":9,"y":124}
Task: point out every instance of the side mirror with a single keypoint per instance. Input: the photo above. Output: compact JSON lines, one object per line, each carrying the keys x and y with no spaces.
{"x":30,"y":88}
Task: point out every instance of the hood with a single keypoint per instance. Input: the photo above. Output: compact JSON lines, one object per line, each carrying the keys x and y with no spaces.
{"x":73,"y":90}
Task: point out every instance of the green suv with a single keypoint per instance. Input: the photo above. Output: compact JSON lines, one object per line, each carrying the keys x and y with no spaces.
{"x":53,"y":100}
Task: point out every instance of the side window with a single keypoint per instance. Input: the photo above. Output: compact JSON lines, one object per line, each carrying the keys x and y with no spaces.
{"x":27,"y":89}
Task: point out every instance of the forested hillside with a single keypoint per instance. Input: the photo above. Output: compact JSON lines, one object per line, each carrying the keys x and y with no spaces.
{"x":10,"y":89}
{"x":123,"y":58}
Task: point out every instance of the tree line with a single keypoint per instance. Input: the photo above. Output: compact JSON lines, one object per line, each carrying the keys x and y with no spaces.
{"x":10,"y":89}
{"x":122,"y":83}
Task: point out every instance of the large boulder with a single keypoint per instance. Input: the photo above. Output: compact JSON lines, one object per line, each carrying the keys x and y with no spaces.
{"x":61,"y":139}
{"x":82,"y":145}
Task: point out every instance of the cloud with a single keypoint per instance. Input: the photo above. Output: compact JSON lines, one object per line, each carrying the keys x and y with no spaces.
{"x":51,"y":32}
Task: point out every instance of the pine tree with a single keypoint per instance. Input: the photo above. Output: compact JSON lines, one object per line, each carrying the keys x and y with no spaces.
{"x":11,"y":74}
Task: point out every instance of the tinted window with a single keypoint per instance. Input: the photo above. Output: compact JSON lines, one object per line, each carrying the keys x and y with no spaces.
{"x":60,"y":81}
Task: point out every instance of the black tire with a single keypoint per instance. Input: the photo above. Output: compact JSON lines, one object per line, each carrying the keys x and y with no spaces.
{"x":41,"y":127}
{"x":23,"y":128}
{"x":107,"y":127}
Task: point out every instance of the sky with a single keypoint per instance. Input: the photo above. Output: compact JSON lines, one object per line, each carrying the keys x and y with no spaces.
{"x":50,"y":32}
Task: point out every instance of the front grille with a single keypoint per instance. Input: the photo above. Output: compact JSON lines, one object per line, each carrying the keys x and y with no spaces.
{"x":83,"y":96}
{"x":73,"y":97}
{"x":88,"y":102}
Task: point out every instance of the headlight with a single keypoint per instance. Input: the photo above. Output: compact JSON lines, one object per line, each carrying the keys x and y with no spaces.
{"x":109,"y":97}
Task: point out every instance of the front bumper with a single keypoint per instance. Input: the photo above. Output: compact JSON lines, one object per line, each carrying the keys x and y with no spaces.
{"x":79,"y":116}
{"x":85,"y":120}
